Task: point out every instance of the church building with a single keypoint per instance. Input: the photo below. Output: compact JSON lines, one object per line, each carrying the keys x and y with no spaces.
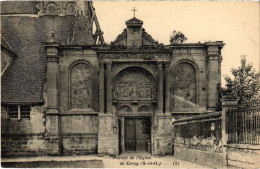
{"x":64,"y":91}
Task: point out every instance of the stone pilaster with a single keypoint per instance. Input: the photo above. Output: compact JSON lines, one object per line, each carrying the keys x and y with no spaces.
{"x":214,"y":55}
{"x":108,"y":135}
{"x":101,"y":87}
{"x":109,"y":87}
{"x":162,"y":135}
{"x":52,"y":113}
{"x":160,"y":87}
{"x":229,"y":101}
{"x":167,"y":88}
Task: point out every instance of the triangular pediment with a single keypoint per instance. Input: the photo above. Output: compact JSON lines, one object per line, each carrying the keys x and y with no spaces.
{"x":147,"y":39}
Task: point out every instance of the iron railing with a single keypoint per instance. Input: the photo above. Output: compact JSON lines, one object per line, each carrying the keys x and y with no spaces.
{"x":243,"y":124}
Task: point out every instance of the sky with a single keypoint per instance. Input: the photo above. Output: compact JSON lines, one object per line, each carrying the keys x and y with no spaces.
{"x":237,"y":24}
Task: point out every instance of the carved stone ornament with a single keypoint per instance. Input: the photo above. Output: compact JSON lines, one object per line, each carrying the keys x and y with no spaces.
{"x":81,"y":86}
{"x":125,"y":109}
{"x":133,"y":84}
{"x":183,"y":85}
{"x":144,"y":109}
{"x":135,"y":56}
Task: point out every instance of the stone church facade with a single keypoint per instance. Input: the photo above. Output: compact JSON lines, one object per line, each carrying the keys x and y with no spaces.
{"x":68,"y":92}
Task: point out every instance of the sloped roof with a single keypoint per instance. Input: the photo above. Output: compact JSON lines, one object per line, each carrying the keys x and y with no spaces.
{"x":23,"y":81}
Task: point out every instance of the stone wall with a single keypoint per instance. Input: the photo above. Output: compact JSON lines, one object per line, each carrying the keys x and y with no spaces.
{"x":23,"y":137}
{"x":206,"y":60}
{"x":72,"y":57}
{"x":79,"y":134}
{"x":243,"y":156}
{"x":22,"y":7}
{"x":195,"y":56}
{"x":200,"y":142}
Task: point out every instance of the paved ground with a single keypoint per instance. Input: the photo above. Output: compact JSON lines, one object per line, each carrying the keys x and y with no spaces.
{"x":130,"y":160}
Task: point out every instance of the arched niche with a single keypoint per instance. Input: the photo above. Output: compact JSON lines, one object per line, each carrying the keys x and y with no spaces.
{"x":134,"y":83}
{"x":81,"y":86}
{"x":183,"y":87}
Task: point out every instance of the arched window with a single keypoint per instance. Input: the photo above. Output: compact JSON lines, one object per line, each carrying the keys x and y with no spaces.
{"x":81,"y":86}
{"x":125,"y":109}
{"x":183,"y":86}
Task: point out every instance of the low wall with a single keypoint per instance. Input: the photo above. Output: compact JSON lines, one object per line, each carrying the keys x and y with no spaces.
{"x":202,"y":157}
{"x":242,"y":155}
{"x":198,"y":139}
{"x":27,"y":137}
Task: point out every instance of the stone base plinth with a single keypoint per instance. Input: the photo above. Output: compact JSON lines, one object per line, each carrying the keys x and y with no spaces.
{"x":108,"y":135}
{"x":52,"y":145}
{"x":162,"y":135}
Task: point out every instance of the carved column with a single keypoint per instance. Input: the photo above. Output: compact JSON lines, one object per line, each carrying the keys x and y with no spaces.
{"x":109,"y":87}
{"x":167,"y":87}
{"x":160,"y":88}
{"x":101,"y":87}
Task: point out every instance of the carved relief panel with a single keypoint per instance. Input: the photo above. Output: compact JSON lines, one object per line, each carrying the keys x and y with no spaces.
{"x":81,"y":86}
{"x":183,"y":87}
{"x":134,"y":84}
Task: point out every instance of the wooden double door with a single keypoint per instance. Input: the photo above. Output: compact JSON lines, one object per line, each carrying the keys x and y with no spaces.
{"x":137,"y":134}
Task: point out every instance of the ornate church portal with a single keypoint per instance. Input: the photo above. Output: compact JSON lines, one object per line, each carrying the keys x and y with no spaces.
{"x":96,"y":98}
{"x":134,"y":94}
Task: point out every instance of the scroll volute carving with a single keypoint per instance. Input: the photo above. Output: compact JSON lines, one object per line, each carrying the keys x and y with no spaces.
{"x":81,"y":86}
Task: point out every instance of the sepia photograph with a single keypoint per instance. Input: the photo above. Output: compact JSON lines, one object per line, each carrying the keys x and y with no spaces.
{"x":130,"y":84}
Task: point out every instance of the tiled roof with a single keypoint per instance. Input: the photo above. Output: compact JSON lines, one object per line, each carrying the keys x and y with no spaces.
{"x":23,"y":81}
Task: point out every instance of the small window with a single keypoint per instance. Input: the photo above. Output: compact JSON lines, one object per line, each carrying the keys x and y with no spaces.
{"x":18,"y":112}
{"x":13,"y":112}
{"x":25,"y":112}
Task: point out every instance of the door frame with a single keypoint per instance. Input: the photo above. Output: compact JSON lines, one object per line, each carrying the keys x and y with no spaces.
{"x":122,"y":129}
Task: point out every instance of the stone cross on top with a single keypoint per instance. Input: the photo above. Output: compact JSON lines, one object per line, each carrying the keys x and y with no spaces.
{"x":134,"y":10}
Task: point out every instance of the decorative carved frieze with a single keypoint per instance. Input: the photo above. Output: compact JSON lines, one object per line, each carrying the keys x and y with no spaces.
{"x":57,"y":8}
{"x":150,"y":56}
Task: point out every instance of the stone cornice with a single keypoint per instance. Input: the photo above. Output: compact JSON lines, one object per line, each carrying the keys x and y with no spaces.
{"x":135,"y":55}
